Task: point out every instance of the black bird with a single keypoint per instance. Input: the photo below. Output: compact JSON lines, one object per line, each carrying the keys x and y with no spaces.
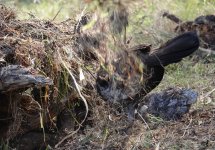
{"x":139,"y":70}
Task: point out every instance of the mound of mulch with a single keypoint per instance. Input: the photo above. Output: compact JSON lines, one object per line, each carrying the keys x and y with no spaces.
{"x":47,"y":90}
{"x":36,"y":85}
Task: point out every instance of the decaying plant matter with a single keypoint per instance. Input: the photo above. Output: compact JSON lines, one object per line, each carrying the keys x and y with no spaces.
{"x":35,"y":86}
{"x":203,"y":25}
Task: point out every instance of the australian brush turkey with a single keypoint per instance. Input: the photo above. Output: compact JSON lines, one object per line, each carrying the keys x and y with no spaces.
{"x":138,"y":70}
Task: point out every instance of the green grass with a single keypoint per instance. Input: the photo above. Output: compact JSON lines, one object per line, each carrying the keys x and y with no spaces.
{"x":47,"y":9}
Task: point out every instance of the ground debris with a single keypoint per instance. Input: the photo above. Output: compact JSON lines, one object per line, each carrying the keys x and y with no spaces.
{"x":15,"y":77}
{"x":203,"y":25}
{"x":35,"y":86}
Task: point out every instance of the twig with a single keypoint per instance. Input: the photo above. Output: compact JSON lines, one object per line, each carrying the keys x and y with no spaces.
{"x":157,"y":146}
{"x":67,"y":137}
{"x":67,"y":20}
{"x":70,"y":134}
{"x":31,"y":15}
{"x":82,"y":14}
{"x":147,"y":126}
{"x":57,"y":14}
{"x":41,"y":120}
{"x":209,"y":51}
{"x":89,"y":72}
{"x":187,"y":127}
{"x":208,"y":94}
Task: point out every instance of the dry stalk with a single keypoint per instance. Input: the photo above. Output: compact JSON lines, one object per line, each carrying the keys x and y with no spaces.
{"x":70,"y":134}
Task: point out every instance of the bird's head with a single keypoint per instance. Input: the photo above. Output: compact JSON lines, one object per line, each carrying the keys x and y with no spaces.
{"x":121,"y":79}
